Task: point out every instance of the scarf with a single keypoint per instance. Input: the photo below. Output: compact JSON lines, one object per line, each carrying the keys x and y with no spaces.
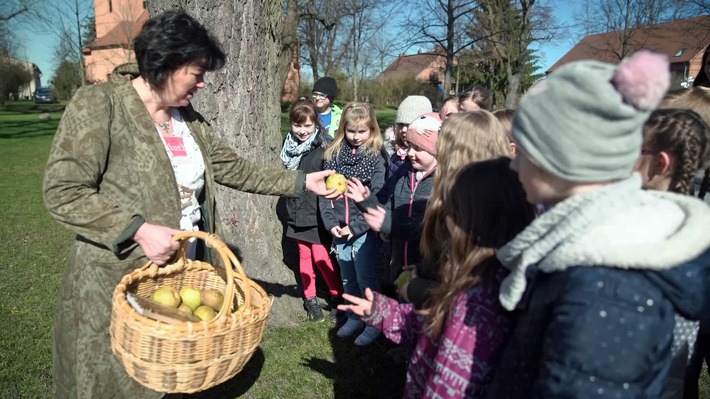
{"x":293,"y":150}
{"x":618,"y":225}
{"x":353,"y":162}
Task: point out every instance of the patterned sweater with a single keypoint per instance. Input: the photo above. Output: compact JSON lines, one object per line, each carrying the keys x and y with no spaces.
{"x":462,"y":362}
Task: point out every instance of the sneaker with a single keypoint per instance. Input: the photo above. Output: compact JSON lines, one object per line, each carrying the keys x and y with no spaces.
{"x":313,"y":309}
{"x":368,"y":336}
{"x":349,"y":328}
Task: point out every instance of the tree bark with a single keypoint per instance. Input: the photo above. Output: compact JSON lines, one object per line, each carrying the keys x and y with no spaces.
{"x":241,"y":103}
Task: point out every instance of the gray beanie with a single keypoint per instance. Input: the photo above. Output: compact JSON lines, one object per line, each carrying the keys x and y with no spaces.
{"x":583,"y":122}
{"x":411,"y":108}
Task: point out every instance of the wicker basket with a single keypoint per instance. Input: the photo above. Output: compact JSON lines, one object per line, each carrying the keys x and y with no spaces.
{"x":189,"y":357}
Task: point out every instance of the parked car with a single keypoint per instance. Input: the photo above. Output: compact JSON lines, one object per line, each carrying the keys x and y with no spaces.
{"x":44,"y":95}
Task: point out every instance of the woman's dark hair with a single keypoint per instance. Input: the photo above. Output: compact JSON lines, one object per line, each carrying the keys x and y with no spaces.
{"x":169,"y":41}
{"x":487,"y":206}
{"x":702,"y":79}
{"x":479,"y":95}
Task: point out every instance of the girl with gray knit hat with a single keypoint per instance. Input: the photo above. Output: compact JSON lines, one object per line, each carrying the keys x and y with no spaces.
{"x":598,"y":278}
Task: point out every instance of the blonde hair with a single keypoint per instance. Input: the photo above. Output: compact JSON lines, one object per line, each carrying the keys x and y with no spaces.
{"x":356,"y":113}
{"x":696,"y":99}
{"x":465,"y":137}
{"x":505,"y":117}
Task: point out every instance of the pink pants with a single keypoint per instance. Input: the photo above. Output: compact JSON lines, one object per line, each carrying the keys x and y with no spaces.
{"x":309,"y":254}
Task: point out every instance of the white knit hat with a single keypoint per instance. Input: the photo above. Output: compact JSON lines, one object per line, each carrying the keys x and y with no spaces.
{"x":411,"y":107}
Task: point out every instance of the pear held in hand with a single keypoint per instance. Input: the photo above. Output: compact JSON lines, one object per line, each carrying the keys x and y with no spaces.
{"x":167,"y":296}
{"x":338,"y":181}
{"x":191,"y":297}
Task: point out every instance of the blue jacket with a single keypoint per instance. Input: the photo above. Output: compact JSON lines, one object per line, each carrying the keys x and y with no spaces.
{"x":615,"y":324}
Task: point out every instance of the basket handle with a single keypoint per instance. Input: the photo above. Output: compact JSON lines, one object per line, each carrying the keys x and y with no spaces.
{"x":228,"y":259}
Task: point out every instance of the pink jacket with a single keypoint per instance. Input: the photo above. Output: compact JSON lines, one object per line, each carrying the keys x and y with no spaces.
{"x":462,"y":362}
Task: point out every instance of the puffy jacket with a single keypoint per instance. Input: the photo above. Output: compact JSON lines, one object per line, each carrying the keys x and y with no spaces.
{"x":303,"y":209}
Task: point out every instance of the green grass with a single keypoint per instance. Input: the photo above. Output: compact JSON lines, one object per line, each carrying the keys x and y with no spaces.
{"x":306,"y":361}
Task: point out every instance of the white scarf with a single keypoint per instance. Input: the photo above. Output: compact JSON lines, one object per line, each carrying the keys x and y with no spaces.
{"x":618,"y":225}
{"x":293,"y":150}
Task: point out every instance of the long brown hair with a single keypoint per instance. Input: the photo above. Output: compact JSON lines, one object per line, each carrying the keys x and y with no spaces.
{"x":683,"y":134}
{"x":487,"y":206}
{"x":355,"y":113}
{"x":465,"y":137}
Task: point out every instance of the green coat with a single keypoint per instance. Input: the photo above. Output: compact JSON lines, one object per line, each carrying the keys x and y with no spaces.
{"x":107,"y":173}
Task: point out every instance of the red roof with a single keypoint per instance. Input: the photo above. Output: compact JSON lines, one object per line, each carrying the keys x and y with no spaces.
{"x":680,"y":40}
{"x":413,"y":64}
{"x":121,"y":35}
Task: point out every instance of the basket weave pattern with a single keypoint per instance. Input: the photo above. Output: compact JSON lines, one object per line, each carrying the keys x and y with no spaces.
{"x":189,"y":357}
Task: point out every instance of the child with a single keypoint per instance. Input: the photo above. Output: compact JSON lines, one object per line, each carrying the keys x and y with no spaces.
{"x":463,"y":329}
{"x":402,"y":217}
{"x":609,"y":263}
{"x":449,"y":106}
{"x":410,"y":108}
{"x":303,"y":150}
{"x":475,"y":98}
{"x":465,"y":137}
{"x":355,"y":153}
{"x":675,"y":146}
{"x":505,"y":117}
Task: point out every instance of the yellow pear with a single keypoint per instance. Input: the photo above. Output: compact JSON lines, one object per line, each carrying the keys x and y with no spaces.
{"x":184,"y":308}
{"x":191,"y":296}
{"x":167,"y":296}
{"x":213,"y":298}
{"x":336,"y":180}
{"x":205,"y":313}
{"x":404,"y":278}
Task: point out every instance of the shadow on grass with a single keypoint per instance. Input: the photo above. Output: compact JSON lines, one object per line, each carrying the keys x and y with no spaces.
{"x":361,"y":372}
{"x":239,"y":384}
{"x":21,"y":129}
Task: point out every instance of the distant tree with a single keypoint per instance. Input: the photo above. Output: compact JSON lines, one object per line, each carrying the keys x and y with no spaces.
{"x":66,"y":80}
{"x":626,"y":17}
{"x":12,"y":77}
{"x":89,"y":29}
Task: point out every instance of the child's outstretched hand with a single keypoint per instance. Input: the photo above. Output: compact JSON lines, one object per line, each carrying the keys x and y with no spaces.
{"x":359,"y":306}
{"x":356,"y":190}
{"x":375,"y":217}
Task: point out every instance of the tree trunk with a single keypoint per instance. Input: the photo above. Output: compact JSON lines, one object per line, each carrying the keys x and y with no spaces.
{"x":241,"y":102}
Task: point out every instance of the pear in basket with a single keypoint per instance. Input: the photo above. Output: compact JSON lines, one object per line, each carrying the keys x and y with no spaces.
{"x":205,"y":313}
{"x":191,"y":297}
{"x":167,"y":296}
{"x":185,"y":309}
{"x":213,"y":298}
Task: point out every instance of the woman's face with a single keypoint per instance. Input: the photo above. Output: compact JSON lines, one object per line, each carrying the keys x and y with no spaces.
{"x":303,"y":131}
{"x":182,"y":85}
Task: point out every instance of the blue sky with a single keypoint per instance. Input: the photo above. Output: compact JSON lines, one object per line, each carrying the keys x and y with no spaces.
{"x":39,"y":48}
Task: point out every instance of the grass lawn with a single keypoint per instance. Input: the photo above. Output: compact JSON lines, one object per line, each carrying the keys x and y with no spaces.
{"x":307,"y":361}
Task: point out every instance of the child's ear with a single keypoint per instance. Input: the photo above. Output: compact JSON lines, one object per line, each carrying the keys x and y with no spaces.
{"x":665,"y":163}
{"x":513,"y":149}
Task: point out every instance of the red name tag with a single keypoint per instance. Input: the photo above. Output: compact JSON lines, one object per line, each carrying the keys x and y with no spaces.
{"x":176,"y":146}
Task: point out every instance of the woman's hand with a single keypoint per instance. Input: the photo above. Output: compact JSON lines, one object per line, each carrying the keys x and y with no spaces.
{"x":315,"y":183}
{"x":375,"y":217}
{"x":357,"y":191}
{"x":360,"y":306}
{"x":157,"y":242}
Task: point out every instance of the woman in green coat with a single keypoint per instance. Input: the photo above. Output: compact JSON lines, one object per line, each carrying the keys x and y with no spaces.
{"x":131,"y":165}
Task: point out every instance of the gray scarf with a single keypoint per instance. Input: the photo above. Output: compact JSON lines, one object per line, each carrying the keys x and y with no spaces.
{"x":293,"y":150}
{"x":618,"y":225}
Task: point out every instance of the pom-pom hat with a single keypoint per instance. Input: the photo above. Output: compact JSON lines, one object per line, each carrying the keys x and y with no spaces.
{"x":424,"y":131}
{"x":583,"y":122}
{"x":411,"y":107}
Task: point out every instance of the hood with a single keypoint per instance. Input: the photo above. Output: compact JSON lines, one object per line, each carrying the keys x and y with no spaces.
{"x":685,"y":286}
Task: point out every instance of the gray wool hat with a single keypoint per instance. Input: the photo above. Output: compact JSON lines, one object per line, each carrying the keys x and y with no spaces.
{"x":412,"y":107}
{"x":583,"y":122}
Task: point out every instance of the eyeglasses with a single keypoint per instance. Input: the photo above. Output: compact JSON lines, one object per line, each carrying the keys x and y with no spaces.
{"x":319,"y":96}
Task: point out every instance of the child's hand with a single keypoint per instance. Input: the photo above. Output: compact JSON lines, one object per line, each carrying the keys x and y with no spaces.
{"x":360,"y":306}
{"x":335,"y":231}
{"x":345,"y":232}
{"x":375,"y":217}
{"x":356,"y":190}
